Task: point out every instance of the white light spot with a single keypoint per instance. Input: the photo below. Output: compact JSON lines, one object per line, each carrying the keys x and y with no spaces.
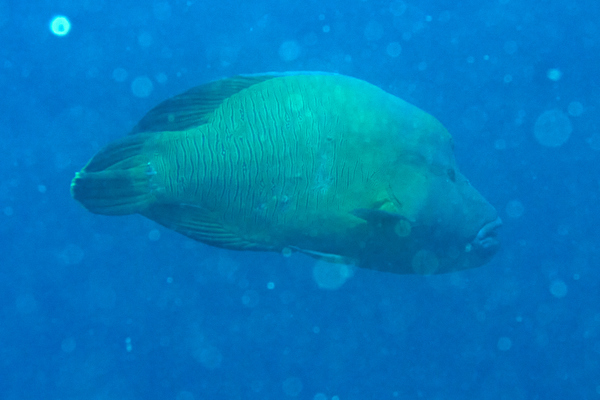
{"x":554,"y":74}
{"x":60,"y":25}
{"x":142,"y":86}
{"x":558,"y":288}
{"x":331,"y":275}
{"x":289,"y":51}
{"x":393,"y":49}
{"x":504,"y":344}
{"x":552,"y":128}
{"x":292,"y":386}
{"x":514,"y":209}
{"x":119,"y":74}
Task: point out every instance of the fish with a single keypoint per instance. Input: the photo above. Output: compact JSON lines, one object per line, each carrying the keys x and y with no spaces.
{"x":322,"y":164}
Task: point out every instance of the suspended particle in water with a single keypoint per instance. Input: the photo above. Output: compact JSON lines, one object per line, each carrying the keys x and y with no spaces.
{"x":292,"y":386}
{"x":554,"y":74}
{"x":331,"y":275}
{"x":142,"y":86}
{"x":552,"y":128}
{"x":575,"y":108}
{"x":289,"y":51}
{"x":504,"y":343}
{"x":394,"y":49}
{"x":60,"y":25}
{"x":119,"y":74}
{"x":558,"y":289}
{"x":514,"y":209}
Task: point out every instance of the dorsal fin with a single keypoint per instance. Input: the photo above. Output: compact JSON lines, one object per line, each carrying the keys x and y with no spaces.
{"x":193,"y":107}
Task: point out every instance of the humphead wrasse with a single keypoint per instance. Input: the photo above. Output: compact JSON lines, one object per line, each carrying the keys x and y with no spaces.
{"x":322,"y":164}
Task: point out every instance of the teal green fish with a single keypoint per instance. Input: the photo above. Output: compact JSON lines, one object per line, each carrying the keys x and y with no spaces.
{"x":323,"y":164}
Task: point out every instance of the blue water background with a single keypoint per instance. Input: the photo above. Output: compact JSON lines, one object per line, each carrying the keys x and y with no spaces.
{"x":95,"y":307}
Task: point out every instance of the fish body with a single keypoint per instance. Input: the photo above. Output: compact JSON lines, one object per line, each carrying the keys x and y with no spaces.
{"x":324,"y":164}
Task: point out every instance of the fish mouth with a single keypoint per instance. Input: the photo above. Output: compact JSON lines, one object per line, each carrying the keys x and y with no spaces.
{"x":487,"y":237}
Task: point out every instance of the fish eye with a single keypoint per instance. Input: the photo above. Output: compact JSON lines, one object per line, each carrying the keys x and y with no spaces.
{"x":451,"y":174}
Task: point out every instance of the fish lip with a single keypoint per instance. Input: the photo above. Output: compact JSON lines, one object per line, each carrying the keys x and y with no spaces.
{"x":487,"y":237}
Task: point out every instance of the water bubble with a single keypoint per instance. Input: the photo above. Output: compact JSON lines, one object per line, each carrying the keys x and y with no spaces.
{"x":250,"y":298}
{"x":210,"y":357}
{"x":500,"y":144}
{"x":185,"y":395}
{"x":60,"y":25}
{"x":42,"y":188}
{"x":331,"y":275}
{"x":25,"y":303}
{"x":128,"y":346}
{"x":575,"y":108}
{"x":554,"y":74}
{"x":320,"y":396}
{"x":373,"y":31}
{"x":119,"y":74}
{"x":398,"y":8}
{"x":289,"y":51}
{"x":270,"y":285}
{"x":154,"y":235}
{"x":161,"y":10}
{"x":292,"y":386}
{"x":552,"y":128}
{"x":594,"y":141}
{"x":558,"y":288}
{"x":8,"y":211}
{"x":504,"y":344}
{"x":145,"y":39}
{"x":286,"y":252}
{"x":142,"y":86}
{"x":394,"y":49}
{"x":402,"y":228}
{"x":474,"y":118}
{"x":511,"y":47}
{"x":161,"y":78}
{"x":425,"y":262}
{"x":514,"y":209}
{"x":68,"y":345}
{"x":72,"y":254}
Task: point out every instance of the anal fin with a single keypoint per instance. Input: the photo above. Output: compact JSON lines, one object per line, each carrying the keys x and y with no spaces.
{"x":201,"y":225}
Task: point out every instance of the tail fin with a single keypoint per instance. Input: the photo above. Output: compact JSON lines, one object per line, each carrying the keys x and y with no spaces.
{"x":116,"y":181}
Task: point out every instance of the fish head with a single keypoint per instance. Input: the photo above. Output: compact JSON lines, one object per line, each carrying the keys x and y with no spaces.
{"x":450,"y":225}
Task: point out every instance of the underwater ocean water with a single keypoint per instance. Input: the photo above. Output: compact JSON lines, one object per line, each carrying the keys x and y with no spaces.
{"x":95,"y":307}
